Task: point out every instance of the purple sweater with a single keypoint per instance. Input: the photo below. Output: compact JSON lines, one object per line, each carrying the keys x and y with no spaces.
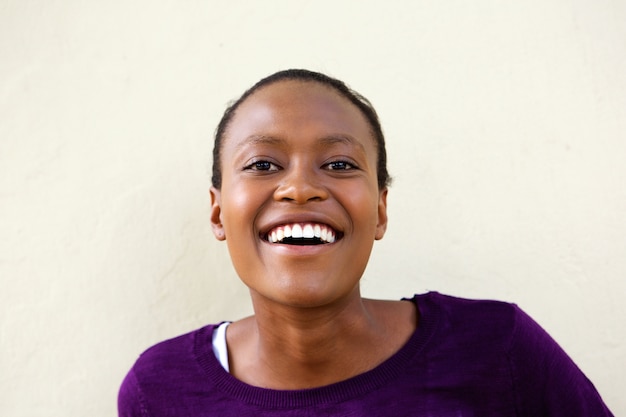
{"x":466,"y":358}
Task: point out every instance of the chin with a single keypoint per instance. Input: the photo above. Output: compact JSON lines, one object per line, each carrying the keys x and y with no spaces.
{"x":299,"y":295}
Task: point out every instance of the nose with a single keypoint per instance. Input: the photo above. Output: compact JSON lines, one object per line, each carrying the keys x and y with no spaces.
{"x":301,"y":184}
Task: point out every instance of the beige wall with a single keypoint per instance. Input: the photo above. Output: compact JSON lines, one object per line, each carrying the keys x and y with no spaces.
{"x":505,"y":124}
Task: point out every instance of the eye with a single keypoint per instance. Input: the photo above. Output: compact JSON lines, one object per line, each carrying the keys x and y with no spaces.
{"x":340,"y":166}
{"x":261,"y":166}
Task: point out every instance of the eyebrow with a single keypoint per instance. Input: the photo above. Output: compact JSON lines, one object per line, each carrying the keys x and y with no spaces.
{"x":325,"y":141}
{"x":261,"y":140}
{"x":328,"y":141}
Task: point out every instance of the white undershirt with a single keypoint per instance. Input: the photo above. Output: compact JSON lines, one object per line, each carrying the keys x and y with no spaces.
{"x":219,"y":345}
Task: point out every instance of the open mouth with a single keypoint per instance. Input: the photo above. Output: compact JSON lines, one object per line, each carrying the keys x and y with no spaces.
{"x":302,"y":234}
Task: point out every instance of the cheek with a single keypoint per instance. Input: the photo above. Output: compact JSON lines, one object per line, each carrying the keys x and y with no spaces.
{"x":239,"y":210}
{"x":362,"y":206}
{"x":238,"y":206}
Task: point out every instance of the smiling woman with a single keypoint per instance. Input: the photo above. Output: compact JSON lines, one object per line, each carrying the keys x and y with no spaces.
{"x":298,"y":153}
{"x":300,"y":195}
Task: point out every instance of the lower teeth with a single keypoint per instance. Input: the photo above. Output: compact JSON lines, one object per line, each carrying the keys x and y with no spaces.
{"x":302,"y":241}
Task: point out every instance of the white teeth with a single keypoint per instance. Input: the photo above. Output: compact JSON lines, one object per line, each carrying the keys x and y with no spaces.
{"x":300,"y":231}
{"x":296,"y":231}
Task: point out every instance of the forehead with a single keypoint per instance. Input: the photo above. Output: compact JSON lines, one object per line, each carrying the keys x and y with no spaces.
{"x":289,"y":107}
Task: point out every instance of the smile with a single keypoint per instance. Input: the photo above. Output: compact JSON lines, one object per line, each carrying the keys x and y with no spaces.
{"x":302,"y":234}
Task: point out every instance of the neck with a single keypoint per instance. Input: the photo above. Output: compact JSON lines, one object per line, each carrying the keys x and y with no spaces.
{"x":313,"y":330}
{"x":294,"y":347}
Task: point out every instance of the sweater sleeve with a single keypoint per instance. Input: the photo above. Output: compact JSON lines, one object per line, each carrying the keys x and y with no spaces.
{"x":547,"y":382}
{"x":130,"y":401}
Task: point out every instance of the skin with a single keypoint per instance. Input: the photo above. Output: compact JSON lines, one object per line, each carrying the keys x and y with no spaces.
{"x":300,"y":152}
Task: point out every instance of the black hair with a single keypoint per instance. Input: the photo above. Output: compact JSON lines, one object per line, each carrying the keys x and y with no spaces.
{"x":308,"y":76}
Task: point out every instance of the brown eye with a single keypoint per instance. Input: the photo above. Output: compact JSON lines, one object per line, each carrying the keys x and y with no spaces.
{"x":262,"y":166}
{"x":340,"y":166}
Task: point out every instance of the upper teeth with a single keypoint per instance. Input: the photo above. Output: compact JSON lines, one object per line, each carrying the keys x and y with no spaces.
{"x":300,"y":231}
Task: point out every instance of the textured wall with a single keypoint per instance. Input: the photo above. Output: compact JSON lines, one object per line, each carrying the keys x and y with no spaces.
{"x":505,"y":123}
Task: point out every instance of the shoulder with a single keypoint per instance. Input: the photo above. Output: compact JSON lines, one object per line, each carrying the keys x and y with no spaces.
{"x":163,"y":370}
{"x":450,"y":303}
{"x":502,"y":325}
{"x":474,"y":318}
{"x":503,"y":338}
{"x":177,"y":350}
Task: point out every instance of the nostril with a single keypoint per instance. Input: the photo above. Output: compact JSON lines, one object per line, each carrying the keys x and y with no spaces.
{"x":300,"y":187}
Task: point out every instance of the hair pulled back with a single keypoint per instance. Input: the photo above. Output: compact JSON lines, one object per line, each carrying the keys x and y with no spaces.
{"x":308,"y":76}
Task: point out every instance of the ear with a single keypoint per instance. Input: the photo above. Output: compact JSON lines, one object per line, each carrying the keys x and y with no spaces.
{"x":216,"y":214}
{"x":381,"y":227}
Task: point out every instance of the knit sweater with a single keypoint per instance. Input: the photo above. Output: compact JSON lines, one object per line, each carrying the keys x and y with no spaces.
{"x":466,"y":358}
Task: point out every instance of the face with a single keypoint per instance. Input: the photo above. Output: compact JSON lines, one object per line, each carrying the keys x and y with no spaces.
{"x":299,"y":205}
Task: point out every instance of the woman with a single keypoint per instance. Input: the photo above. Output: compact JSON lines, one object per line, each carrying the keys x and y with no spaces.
{"x":299,"y":195}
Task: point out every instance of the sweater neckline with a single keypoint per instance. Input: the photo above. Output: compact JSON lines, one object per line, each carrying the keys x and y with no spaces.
{"x":356,"y":386}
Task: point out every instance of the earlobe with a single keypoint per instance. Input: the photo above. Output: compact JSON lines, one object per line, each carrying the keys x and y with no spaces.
{"x":216,"y":214}
{"x":381,"y":227}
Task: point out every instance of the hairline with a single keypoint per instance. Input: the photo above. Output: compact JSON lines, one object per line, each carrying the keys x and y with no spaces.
{"x":304,"y":76}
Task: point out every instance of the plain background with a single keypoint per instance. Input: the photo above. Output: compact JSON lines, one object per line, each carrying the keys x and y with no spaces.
{"x":505,"y":125}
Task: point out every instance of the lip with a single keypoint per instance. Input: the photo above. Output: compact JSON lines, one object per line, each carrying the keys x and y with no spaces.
{"x":300,"y":251}
{"x":301,"y":218}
